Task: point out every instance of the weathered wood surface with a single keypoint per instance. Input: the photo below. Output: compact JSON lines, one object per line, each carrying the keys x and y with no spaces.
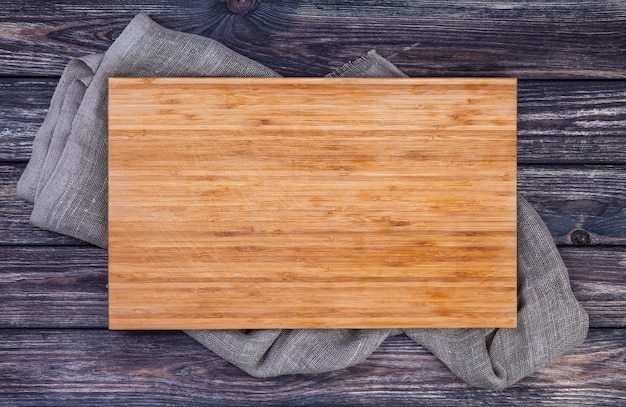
{"x":564,"y":39}
{"x":571,"y":199}
{"x":571,"y":122}
{"x":85,"y":367}
{"x":53,"y":287}
{"x":559,"y":122}
{"x":571,"y":146}
{"x":23,"y":106}
{"x":65,"y":286}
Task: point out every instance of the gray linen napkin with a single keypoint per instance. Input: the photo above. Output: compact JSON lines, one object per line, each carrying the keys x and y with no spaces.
{"x":50,"y":139}
{"x":67,"y":180}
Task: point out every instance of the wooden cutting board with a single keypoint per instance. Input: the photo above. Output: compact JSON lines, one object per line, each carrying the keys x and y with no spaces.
{"x":312,"y":203}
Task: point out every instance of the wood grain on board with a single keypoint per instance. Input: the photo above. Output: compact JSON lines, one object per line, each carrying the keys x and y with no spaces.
{"x":312,"y":203}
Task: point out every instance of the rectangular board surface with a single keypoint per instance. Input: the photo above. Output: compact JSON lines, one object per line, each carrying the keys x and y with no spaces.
{"x":248,"y":203}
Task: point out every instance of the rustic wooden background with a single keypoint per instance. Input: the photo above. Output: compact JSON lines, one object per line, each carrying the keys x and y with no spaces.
{"x":570,"y":58}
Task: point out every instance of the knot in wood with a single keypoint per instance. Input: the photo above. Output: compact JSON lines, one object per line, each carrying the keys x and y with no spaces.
{"x":581,"y":238}
{"x":242,"y":7}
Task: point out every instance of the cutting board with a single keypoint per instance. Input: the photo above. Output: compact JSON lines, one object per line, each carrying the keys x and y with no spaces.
{"x":312,"y":203}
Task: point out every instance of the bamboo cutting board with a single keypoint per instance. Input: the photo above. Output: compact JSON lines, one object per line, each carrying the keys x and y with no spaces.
{"x":312,"y":203}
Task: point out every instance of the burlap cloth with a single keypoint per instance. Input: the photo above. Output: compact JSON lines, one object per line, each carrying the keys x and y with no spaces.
{"x":66,"y":179}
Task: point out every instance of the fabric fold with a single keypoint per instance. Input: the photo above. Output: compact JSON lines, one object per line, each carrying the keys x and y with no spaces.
{"x":57,"y":119}
{"x":370,"y":65}
{"x":67,"y":180}
{"x":269,"y":353}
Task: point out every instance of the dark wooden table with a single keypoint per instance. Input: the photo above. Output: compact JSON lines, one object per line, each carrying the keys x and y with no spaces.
{"x":570,"y":58}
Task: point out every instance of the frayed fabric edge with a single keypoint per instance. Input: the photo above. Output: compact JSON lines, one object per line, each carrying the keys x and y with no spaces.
{"x":365,"y":62}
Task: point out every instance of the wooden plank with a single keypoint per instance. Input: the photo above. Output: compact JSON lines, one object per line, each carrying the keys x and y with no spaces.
{"x":575,"y":122}
{"x":571,"y":122}
{"x":77,"y":368}
{"x":580,"y":204}
{"x":65,"y":286}
{"x":312,"y":203}
{"x":23,"y":106}
{"x":565,"y":39}
{"x":53,"y":287}
{"x":598,"y":280}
